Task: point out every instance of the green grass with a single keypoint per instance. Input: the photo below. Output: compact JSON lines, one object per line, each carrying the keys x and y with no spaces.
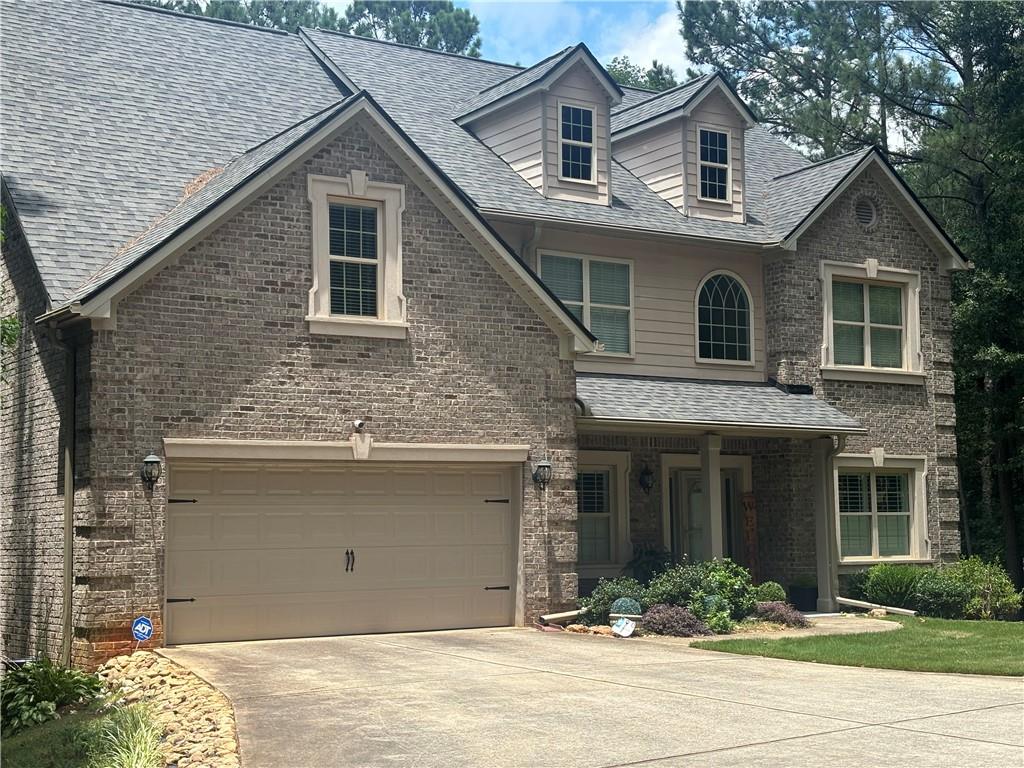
{"x":922,"y":645}
{"x":123,"y":738}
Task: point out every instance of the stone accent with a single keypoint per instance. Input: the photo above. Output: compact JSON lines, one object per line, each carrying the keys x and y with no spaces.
{"x":197,"y":720}
{"x":901,"y":418}
{"x":216,"y":346}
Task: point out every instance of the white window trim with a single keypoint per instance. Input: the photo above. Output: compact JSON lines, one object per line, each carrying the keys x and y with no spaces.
{"x":727,"y":166}
{"x":618,"y":464}
{"x":875,"y":462}
{"x":389,"y":199}
{"x":586,"y":295}
{"x":696,"y":322}
{"x":871,"y":272}
{"x":592,"y":181}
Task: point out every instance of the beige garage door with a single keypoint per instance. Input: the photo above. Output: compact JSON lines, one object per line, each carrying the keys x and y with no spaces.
{"x":271,"y":551}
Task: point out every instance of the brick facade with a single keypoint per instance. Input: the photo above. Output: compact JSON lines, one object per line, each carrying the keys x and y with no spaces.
{"x":216,"y":346}
{"x":901,"y":418}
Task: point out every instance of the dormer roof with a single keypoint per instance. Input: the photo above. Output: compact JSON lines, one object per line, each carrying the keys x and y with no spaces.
{"x":675,"y":103}
{"x":536,"y":78}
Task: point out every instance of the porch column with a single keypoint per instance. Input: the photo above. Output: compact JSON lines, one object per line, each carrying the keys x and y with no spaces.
{"x":824,"y":525}
{"x":711,"y":481}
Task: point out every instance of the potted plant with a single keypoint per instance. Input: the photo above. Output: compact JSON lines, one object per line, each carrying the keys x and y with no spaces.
{"x":803,"y":593}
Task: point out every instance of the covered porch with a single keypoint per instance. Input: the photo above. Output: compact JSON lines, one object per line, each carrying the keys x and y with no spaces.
{"x":705,"y":469}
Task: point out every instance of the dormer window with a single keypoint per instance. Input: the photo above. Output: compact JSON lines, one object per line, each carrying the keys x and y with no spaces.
{"x":576,"y":128}
{"x":714,"y":165}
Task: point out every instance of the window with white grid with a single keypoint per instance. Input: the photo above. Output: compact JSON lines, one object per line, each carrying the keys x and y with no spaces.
{"x":714,"y":165}
{"x":595,"y":519}
{"x":875,"y":513}
{"x":598,"y":291}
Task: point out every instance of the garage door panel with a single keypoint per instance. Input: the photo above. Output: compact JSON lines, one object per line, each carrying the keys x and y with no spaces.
{"x":263,"y":551}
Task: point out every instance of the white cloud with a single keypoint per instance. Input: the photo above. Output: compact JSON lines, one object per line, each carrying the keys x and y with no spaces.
{"x":645,"y":40}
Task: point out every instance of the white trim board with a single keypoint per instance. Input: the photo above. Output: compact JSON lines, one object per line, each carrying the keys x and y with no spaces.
{"x":360,"y":448}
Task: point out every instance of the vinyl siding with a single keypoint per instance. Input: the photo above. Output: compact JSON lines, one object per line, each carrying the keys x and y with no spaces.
{"x":515,"y":135}
{"x":656,"y":158}
{"x":666,"y":277}
{"x":579,"y":87}
{"x":716,"y":112}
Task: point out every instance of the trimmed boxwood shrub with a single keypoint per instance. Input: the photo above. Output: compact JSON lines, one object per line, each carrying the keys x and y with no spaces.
{"x":780,"y":612}
{"x":691,"y":585}
{"x":769,"y":592}
{"x":731,"y":582}
{"x":940,"y":594}
{"x":673,"y":620}
{"x":606,"y":592}
{"x":892,"y":584}
{"x":714,"y":610}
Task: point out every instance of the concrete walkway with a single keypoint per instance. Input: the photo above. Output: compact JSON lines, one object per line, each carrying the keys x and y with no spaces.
{"x":515,"y":697}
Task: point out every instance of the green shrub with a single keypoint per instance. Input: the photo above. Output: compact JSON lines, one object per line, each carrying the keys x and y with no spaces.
{"x":852,"y":585}
{"x":34,"y":693}
{"x":127,"y":739}
{"x":941,"y":595}
{"x":714,"y":610}
{"x":606,"y":592}
{"x":673,"y":587}
{"x":769,"y":592}
{"x":991,"y":593}
{"x":892,"y":584}
{"x":731,"y":582}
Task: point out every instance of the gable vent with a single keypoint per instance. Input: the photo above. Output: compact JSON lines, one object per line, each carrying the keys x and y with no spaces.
{"x":865,"y":211}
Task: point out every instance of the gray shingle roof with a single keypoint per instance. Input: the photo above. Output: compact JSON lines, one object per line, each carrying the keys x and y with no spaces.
{"x":627,"y":117}
{"x":516,"y":82}
{"x":235,"y":173}
{"x":110,"y":110}
{"x":709,"y":403}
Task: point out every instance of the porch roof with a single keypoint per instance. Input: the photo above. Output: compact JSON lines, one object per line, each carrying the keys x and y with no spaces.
{"x":710,"y":405}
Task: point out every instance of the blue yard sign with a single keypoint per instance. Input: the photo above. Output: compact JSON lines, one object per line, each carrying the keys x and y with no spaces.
{"x":142,"y":629}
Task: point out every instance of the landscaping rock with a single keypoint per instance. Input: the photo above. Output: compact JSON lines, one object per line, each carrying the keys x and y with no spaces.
{"x":602,"y":630}
{"x":580,"y":629}
{"x":197,"y":720}
{"x":877,"y":613}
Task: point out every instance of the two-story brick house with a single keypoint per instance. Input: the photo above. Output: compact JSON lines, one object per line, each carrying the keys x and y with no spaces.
{"x":309,"y":319}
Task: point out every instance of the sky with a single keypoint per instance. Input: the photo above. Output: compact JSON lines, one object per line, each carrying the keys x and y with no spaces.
{"x":526,"y":32}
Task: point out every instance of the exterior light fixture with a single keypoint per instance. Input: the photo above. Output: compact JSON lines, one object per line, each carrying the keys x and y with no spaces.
{"x":542,"y":473}
{"x":150,"y":470}
{"x":646,"y":479}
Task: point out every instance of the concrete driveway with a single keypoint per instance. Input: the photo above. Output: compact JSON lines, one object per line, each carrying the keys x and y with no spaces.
{"x":515,"y":697}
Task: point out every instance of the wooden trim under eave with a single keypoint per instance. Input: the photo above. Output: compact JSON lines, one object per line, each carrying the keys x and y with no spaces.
{"x":342,"y":450}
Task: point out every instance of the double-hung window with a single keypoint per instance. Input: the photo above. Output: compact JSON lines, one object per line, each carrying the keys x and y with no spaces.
{"x":357,"y":257}
{"x":576,"y":146}
{"x":868,"y":327}
{"x":714,"y":164}
{"x":598,"y":291}
{"x":355,"y":261}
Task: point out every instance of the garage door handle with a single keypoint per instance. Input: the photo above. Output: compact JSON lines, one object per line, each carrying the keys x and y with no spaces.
{"x":505,"y":588}
{"x":348,"y":560}
{"x":353,"y":561}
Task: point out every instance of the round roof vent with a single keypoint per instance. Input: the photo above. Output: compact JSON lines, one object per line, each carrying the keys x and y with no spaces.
{"x":865,"y":211}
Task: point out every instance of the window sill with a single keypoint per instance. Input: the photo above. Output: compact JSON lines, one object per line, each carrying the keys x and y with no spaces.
{"x":862,"y":561}
{"x":348,"y":326}
{"x":611,"y":355}
{"x":717,"y":200}
{"x":730,"y":363}
{"x":581,"y":182}
{"x":879,"y":375}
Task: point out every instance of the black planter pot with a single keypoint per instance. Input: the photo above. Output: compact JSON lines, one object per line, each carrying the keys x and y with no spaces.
{"x":804,"y":598}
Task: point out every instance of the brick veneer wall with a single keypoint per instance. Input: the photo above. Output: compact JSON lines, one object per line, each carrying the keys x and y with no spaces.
{"x":901,"y":418}
{"x":31,"y":465}
{"x":216,"y":346}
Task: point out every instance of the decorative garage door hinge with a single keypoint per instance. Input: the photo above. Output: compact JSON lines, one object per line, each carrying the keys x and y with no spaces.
{"x":505,"y":588}
{"x":181,"y":599}
{"x":182,"y":501}
{"x":496,"y":501}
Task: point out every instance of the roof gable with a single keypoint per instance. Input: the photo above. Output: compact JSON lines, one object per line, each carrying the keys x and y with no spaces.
{"x":675,"y":103}
{"x":256,"y":169}
{"x":537,"y":78}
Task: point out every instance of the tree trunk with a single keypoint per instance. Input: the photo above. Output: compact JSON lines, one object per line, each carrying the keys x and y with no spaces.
{"x":1004,"y":482}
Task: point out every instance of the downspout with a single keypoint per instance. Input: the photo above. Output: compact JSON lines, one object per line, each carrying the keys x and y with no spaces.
{"x":833,"y":549}
{"x":68,"y":424}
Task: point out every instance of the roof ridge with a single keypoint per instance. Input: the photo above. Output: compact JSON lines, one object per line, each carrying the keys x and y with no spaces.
{"x":545,"y":60}
{"x":413,"y":47}
{"x":296,"y":124}
{"x":194,"y":17}
{"x":659,"y":94}
{"x":862,"y":150}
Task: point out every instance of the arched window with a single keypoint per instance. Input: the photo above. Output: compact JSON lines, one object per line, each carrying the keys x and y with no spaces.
{"x":723,"y":319}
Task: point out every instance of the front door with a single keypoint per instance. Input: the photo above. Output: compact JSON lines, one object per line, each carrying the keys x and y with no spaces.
{"x":690,"y":518}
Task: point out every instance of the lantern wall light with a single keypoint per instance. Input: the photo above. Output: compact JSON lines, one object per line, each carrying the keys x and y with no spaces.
{"x":150,"y":471}
{"x":542,"y":473}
